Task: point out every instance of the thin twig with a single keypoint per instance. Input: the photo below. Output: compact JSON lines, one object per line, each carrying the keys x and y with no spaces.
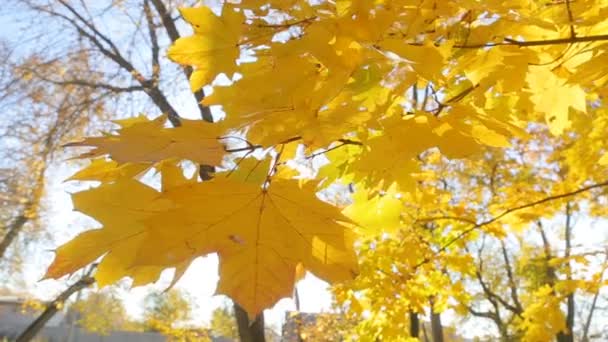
{"x":530,"y":43}
{"x":571,"y":19}
{"x":476,"y":226}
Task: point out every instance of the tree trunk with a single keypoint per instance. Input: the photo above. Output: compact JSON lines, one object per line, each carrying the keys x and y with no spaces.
{"x":436,"y":328}
{"x":249,"y":331}
{"x":424,"y":334}
{"x":71,"y":315}
{"x":51,"y":309}
{"x":16,"y":226}
{"x":414,"y":324}
{"x":568,"y":336}
{"x":13,"y":230}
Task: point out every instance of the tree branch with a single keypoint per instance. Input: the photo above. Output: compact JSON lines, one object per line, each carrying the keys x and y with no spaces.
{"x":513,"y":42}
{"x":485,"y":314}
{"x":475,"y":226}
{"x":165,"y":17}
{"x":570,"y":19}
{"x":51,"y":309}
{"x":153,"y":41}
{"x":97,"y":38}
{"x":89,"y":84}
{"x":169,"y":25}
{"x":587,"y":323}
{"x":518,"y":309}
{"x":16,"y":226}
{"x":343,"y":142}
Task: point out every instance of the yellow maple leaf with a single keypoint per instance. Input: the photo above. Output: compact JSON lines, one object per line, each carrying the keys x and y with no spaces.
{"x":553,"y":97}
{"x":390,"y":157}
{"x":250,"y":170}
{"x":149,"y":142}
{"x":489,"y":137}
{"x":260,"y":234}
{"x":379,"y":213}
{"x":604,"y":159}
{"x":213,"y":49}
{"x":107,"y":171}
{"x":428,"y":61}
{"x":288,"y":105}
{"x":121,"y":218}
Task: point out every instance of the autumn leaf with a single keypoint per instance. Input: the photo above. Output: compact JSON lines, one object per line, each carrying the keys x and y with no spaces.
{"x":108,"y":171}
{"x":292,"y":226}
{"x":554,"y":97}
{"x":376,"y":213}
{"x":260,"y":234}
{"x":213,"y":49}
{"x":147,"y":141}
{"x":121,"y":219}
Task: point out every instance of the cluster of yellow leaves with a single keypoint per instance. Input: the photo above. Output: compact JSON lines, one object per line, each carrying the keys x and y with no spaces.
{"x":399,"y":276}
{"x":330,"y":70}
{"x":100,"y":313}
{"x":543,"y":319}
{"x":319,"y":327}
{"x":372,"y":85}
{"x":32,"y":305}
{"x":431,"y":241}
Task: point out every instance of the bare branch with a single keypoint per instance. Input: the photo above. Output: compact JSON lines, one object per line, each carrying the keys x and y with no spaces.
{"x":518,"y":309}
{"x":153,"y":41}
{"x":475,"y":226}
{"x":97,"y":38}
{"x":513,"y":42}
{"x":51,"y":309}
{"x":570,"y":19}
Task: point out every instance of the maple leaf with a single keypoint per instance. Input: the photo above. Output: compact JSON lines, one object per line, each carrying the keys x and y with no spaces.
{"x":108,"y":171}
{"x":261,"y":235}
{"x":554,"y":97}
{"x":147,"y":141}
{"x":287,"y":106}
{"x":427,"y":61}
{"x":213,"y":49}
{"x":292,"y":226}
{"x":122,"y":230}
{"x":391,"y":156}
{"x":379,"y":213}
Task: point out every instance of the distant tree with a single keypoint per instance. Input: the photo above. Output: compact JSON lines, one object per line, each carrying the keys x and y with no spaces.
{"x":100,"y":312}
{"x":223,"y":323}
{"x":320,"y":327}
{"x":169,"y":314}
{"x":38,"y":119}
{"x":173,"y":307}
